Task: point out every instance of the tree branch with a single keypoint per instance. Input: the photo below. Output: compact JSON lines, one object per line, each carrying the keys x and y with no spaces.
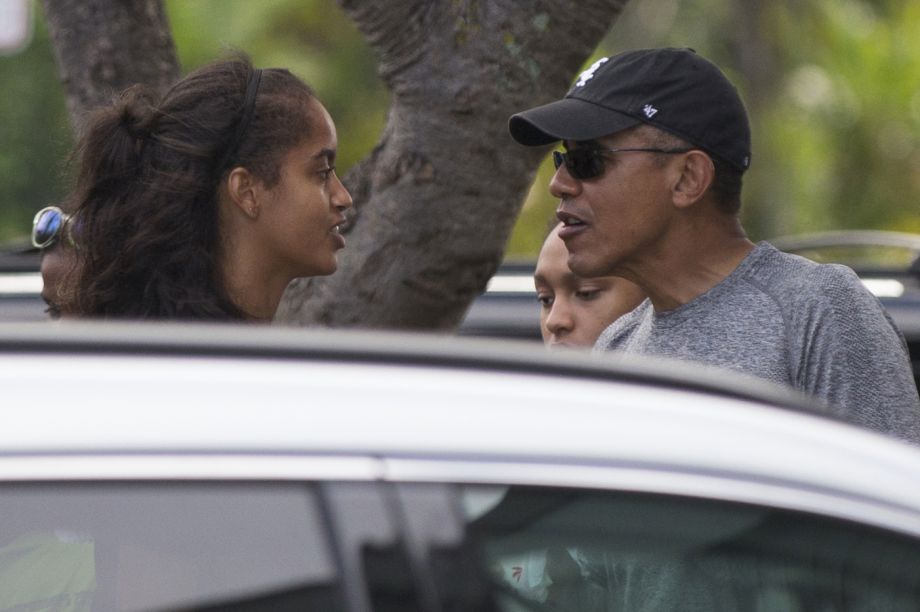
{"x":102,"y":47}
{"x":447,"y":181}
{"x":395,"y":29}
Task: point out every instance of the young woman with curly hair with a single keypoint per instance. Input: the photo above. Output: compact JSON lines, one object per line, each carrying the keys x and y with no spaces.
{"x":206,"y":203}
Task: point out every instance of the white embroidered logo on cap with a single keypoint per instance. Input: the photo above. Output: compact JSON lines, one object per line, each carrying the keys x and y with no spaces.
{"x":649,"y":110}
{"x":588,"y":74}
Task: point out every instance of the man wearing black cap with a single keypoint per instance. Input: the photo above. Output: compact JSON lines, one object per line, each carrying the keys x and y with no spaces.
{"x":656,"y":142}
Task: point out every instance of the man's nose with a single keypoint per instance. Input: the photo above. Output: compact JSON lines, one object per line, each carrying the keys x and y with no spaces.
{"x":562,"y":185}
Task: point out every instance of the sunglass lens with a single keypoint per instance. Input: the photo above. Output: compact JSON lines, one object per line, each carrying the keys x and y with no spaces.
{"x":585,"y":163}
{"x":46,"y":228}
{"x":558,"y":159}
{"x":582,"y":164}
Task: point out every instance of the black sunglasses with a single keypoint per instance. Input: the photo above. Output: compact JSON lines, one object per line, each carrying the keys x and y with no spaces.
{"x":48,"y":226}
{"x":585,"y":163}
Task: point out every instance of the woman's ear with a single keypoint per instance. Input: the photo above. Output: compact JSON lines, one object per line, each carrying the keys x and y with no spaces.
{"x":697,"y":173}
{"x":241,"y":187}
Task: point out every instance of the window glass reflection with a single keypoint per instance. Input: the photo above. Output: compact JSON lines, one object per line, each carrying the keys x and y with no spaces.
{"x":555,"y":549}
{"x":158,"y":546}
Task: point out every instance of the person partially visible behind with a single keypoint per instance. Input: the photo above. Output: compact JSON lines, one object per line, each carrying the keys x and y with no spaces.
{"x":575,"y":310}
{"x":51,"y":235}
{"x":656,"y":144}
{"x":206,"y":202}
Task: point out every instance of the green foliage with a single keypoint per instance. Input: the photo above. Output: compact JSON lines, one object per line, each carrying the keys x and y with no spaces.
{"x":836,"y":110}
{"x":537,"y":216}
{"x":836,"y":129}
{"x":34,"y":132}
{"x":853,"y":104}
{"x":314,"y":39}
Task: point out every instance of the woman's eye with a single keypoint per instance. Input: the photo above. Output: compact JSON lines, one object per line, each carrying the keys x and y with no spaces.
{"x":587,"y":294}
{"x":545,"y":300}
{"x":326,"y":172}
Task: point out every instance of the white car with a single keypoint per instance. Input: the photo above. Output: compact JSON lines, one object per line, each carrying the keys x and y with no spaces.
{"x":149,"y":467}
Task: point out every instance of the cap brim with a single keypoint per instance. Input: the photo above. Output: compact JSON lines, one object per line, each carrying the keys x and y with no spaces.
{"x":567,"y":119}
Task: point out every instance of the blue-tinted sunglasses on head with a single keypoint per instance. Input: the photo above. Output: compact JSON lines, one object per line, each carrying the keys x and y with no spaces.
{"x":49,"y":224}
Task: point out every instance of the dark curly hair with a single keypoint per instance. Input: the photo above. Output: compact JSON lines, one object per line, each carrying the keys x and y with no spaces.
{"x":146,"y":196}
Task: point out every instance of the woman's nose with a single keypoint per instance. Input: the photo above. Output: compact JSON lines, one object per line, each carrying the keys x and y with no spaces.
{"x":559,"y":320}
{"x":341,"y":199}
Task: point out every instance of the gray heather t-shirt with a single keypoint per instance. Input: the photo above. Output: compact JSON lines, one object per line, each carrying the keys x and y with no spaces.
{"x":785,"y":318}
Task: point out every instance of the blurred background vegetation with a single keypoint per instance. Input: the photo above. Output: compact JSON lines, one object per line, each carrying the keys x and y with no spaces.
{"x":833,"y":87}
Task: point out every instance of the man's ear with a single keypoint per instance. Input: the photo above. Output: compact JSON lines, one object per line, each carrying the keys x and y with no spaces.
{"x":242,"y":187}
{"x":697,"y":173}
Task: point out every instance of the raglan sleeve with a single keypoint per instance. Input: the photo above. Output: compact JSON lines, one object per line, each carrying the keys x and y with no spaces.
{"x":848,"y":352}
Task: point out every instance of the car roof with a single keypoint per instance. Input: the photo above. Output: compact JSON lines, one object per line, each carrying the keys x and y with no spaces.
{"x":258,"y":342}
{"x":184,"y":401}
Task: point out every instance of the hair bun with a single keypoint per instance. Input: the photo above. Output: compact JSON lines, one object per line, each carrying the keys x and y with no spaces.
{"x":137,"y":112}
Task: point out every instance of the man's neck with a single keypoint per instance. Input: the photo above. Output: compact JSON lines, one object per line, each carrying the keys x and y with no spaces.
{"x":690,"y":263}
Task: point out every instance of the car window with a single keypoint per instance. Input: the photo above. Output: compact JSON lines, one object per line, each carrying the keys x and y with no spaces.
{"x":557,"y":549}
{"x":163,"y":546}
{"x":202,"y":546}
{"x":410,"y":547}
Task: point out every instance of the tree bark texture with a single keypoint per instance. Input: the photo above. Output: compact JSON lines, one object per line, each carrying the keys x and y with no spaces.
{"x":436,"y":200}
{"x":104,"y":46}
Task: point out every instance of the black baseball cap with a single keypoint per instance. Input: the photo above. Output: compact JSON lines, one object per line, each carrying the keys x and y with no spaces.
{"x":675,"y":90}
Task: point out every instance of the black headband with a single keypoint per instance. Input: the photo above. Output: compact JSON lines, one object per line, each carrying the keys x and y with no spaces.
{"x":249,"y":107}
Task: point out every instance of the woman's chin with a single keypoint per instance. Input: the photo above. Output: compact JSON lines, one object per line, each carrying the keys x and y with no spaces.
{"x":324,"y":269}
